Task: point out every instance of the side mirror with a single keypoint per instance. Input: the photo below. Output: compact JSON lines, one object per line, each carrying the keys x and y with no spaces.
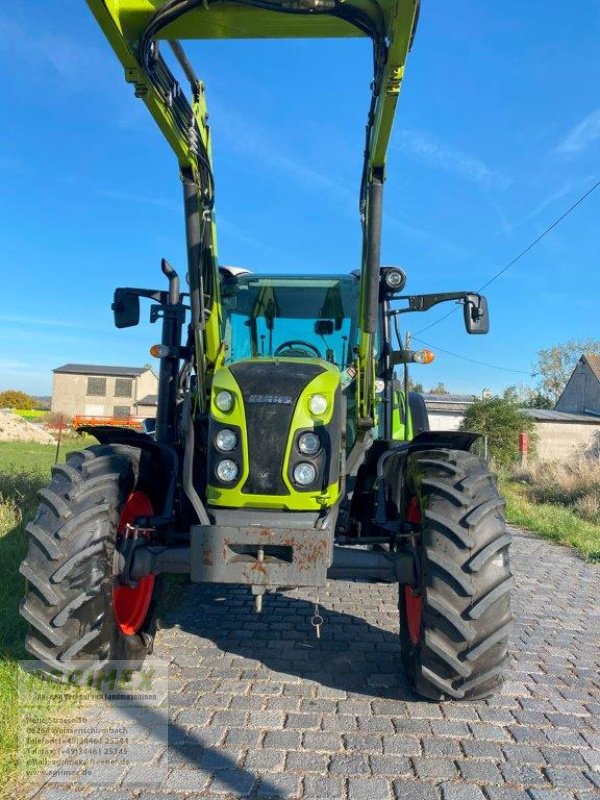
{"x":126,"y":308}
{"x":324,"y":327}
{"x":477,"y":318}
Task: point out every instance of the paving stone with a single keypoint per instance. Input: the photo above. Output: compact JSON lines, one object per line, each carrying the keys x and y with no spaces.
{"x":187,"y":780}
{"x":279,"y":787}
{"x":415,"y":790}
{"x":481,"y":771}
{"x":349,"y":764}
{"x":256,"y":700}
{"x":324,"y":789}
{"x":363,"y":743}
{"x":505,"y":793}
{"x":562,"y":757}
{"x":369,"y":788}
{"x":523,"y":774}
{"x":461,"y":791}
{"x":232,"y":781}
{"x":282,"y":740}
{"x":306,"y":762}
{"x":391,"y":765}
{"x":434,"y":768}
{"x":487,"y":750}
{"x":567,"y":778}
{"x":442,"y":747}
{"x":322,"y":741}
{"x":523,"y":754}
{"x":269,"y":760}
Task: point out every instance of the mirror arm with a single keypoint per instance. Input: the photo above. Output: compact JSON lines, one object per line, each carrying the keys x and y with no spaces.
{"x":423,"y":302}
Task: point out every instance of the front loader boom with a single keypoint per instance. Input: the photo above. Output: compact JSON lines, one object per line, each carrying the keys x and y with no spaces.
{"x":136,"y":30}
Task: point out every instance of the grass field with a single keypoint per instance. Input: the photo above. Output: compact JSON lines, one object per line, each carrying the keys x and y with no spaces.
{"x":31,"y":414}
{"x":24,"y":469}
{"x":559,"y":523}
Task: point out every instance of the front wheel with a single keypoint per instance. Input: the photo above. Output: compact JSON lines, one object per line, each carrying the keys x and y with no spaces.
{"x":454,"y":625}
{"x":75,"y":606}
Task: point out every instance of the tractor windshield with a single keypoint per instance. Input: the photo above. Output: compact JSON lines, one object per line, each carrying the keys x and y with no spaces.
{"x":310,"y":317}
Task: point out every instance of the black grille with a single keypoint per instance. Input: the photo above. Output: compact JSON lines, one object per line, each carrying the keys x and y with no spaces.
{"x":270,"y":390}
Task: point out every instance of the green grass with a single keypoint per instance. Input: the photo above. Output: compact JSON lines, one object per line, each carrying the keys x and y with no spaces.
{"x":555,"y":522}
{"x":29,"y":457}
{"x":30,"y":413}
{"x":24,"y":469}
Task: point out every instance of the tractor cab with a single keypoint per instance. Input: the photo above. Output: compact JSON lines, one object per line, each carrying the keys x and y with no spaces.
{"x":282,"y":316}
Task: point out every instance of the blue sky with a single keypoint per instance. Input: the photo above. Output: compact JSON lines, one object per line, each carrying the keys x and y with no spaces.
{"x":497,"y":132}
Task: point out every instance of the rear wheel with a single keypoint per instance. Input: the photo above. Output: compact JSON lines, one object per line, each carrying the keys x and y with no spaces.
{"x":75,"y":605}
{"x":454,"y":626}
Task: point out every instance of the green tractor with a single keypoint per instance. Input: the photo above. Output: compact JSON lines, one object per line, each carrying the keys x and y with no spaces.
{"x":285,"y":452}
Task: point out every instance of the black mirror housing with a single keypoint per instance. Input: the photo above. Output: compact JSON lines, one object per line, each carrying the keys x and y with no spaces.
{"x":126,"y":308}
{"x":324,"y":327}
{"x":477,"y":318}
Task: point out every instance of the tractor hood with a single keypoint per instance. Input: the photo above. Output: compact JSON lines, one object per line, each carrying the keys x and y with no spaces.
{"x":269,"y":404}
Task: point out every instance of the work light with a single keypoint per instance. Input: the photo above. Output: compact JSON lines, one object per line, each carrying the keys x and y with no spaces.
{"x":224,"y":401}
{"x":304,"y":473}
{"x":227,"y":470}
{"x":226,"y":440}
{"x":317,"y":404}
{"x":309,"y":444}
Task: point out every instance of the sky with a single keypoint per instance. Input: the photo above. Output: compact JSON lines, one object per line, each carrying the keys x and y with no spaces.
{"x":497,"y":133}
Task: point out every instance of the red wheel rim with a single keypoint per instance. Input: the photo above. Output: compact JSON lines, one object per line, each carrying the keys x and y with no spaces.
{"x":130,"y":605}
{"x":413,"y":602}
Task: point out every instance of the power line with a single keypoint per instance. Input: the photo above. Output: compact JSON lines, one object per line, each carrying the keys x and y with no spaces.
{"x":472,"y":360}
{"x":522,"y":253}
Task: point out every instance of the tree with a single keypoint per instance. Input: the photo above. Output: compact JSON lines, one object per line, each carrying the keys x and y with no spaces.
{"x":416,"y":387}
{"x":555,"y":364}
{"x":13,"y":398}
{"x":526,"y":397}
{"x":501,"y":420}
{"x":439,"y":389}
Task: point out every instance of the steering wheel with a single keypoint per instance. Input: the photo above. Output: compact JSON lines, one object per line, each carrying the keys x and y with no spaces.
{"x":297,"y":348}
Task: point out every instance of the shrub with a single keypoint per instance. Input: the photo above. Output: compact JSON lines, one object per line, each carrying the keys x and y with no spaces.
{"x":14,"y":398}
{"x":501,"y":420}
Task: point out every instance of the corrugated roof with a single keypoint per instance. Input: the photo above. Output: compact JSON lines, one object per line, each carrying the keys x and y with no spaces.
{"x":593,"y":360}
{"x":149,"y":400}
{"x":100,"y":369}
{"x":549,"y":415}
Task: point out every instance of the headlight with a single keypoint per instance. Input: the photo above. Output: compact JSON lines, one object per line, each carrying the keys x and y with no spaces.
{"x":227,"y":470}
{"x":224,"y":401}
{"x":309,"y":444}
{"x":395,"y":279}
{"x":317,"y":404}
{"x":304,"y":474}
{"x":226,"y":440}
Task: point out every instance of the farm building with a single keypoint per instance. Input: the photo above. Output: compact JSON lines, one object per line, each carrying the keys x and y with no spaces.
{"x":94,"y":390}
{"x":446,"y":411}
{"x":146,"y":407}
{"x":581,"y":395}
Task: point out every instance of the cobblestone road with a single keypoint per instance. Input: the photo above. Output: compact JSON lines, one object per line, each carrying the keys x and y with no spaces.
{"x":259,"y":708}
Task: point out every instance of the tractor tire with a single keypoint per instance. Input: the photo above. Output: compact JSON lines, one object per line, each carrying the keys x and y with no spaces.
{"x":73,"y":593}
{"x":454,"y":626}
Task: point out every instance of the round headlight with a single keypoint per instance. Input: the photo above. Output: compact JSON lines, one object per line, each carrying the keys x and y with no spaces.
{"x":227,"y":470}
{"x":226,"y":440}
{"x":317,"y":404}
{"x":224,"y":401}
{"x":395,"y":279}
{"x":309,"y":444}
{"x":304,"y":473}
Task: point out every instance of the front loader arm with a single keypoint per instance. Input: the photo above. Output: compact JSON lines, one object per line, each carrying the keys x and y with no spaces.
{"x":136,"y":29}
